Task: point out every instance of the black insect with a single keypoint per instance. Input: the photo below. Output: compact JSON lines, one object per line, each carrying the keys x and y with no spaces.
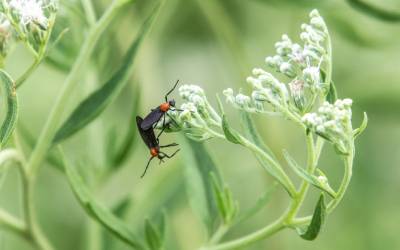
{"x":153,"y":144}
{"x":159,"y":113}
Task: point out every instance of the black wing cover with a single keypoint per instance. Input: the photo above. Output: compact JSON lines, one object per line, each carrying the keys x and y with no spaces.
{"x":152,"y":118}
{"x":148,"y":136}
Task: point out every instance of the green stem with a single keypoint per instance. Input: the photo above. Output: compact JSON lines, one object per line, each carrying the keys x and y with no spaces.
{"x":39,"y":56}
{"x":217,"y":236}
{"x":50,"y":128}
{"x":273,"y":228}
{"x":311,"y":164}
{"x":28,"y":72}
{"x":284,"y":178}
{"x":30,"y":216}
{"x":287,"y":219}
{"x":348,"y":170}
{"x":89,"y":11}
{"x":12,"y":224}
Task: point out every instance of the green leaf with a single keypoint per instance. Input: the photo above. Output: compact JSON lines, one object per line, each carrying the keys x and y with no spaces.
{"x":331,"y":97}
{"x":122,"y":152}
{"x":252,"y":133}
{"x":10,"y":120}
{"x":374,"y":11}
{"x":363,"y":126}
{"x":219,"y":196}
{"x":199,"y":185}
{"x":152,"y":236}
{"x":312,"y":179}
{"x":227,"y":207}
{"x":255,"y":138}
{"x":230,"y":134}
{"x":99,"y":213}
{"x":96,"y":103}
{"x":316,"y":222}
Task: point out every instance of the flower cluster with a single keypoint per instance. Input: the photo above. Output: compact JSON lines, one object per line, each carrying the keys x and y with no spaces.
{"x":196,"y":116}
{"x":301,"y":63}
{"x":332,"y":122}
{"x":5,"y":37}
{"x":31,"y":19}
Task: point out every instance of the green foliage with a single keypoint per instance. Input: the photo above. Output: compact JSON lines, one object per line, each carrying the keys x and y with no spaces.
{"x":317,"y":221}
{"x":96,"y":103}
{"x":358,"y":131}
{"x":199,"y":185}
{"x":99,"y":213}
{"x":10,"y":95}
{"x":310,"y":178}
{"x":227,"y":206}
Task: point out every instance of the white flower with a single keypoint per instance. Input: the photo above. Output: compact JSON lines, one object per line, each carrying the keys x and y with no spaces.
{"x":5,"y":36}
{"x":333,"y":122}
{"x":30,"y":11}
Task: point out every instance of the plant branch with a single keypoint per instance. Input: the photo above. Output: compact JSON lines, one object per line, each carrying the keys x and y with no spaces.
{"x":49,"y":130}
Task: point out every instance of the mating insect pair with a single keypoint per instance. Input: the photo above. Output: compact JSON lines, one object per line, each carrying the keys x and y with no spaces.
{"x":146,"y":129}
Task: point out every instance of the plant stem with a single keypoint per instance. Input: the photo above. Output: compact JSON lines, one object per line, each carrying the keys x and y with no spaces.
{"x":13,"y":224}
{"x":90,"y":13}
{"x":246,"y":240}
{"x":283,"y":177}
{"x":28,"y":72}
{"x":311,"y":164}
{"x":49,"y":130}
{"x":30,"y":216}
{"x":39,"y":56}
{"x":287,"y":219}
{"x":348,"y":170}
{"x":217,"y":236}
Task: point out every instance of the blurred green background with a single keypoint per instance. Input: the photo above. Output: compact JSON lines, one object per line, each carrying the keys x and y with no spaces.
{"x":215,"y":44}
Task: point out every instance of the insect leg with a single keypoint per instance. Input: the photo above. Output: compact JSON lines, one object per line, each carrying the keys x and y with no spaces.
{"x":163,"y":128}
{"x":172,"y":119}
{"x":170,"y":145}
{"x":169,"y":92}
{"x":170,"y":156}
{"x":147,"y":166}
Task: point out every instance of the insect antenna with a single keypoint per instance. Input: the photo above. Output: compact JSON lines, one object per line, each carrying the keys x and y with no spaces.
{"x":147,"y":166}
{"x":169,"y":92}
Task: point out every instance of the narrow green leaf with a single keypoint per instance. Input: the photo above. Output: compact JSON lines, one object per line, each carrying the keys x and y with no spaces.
{"x":99,"y":213}
{"x":255,"y":138}
{"x":312,"y":179}
{"x":122,"y":152}
{"x":230,"y":134}
{"x":10,"y":95}
{"x":96,"y":103}
{"x":152,"y":236}
{"x":316,"y":222}
{"x":199,"y":185}
{"x":331,"y":97}
{"x":219,"y":196}
{"x":374,"y":11}
{"x":363,"y":126}
{"x":252,"y":133}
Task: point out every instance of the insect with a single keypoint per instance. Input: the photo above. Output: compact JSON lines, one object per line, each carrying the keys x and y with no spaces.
{"x":153,"y":144}
{"x":156,"y":114}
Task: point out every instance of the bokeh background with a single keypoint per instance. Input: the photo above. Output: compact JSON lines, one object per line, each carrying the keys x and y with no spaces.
{"x":215,"y":44}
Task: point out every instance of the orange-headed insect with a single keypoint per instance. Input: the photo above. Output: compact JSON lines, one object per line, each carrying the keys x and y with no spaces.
{"x":159,"y":113}
{"x":153,"y":144}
